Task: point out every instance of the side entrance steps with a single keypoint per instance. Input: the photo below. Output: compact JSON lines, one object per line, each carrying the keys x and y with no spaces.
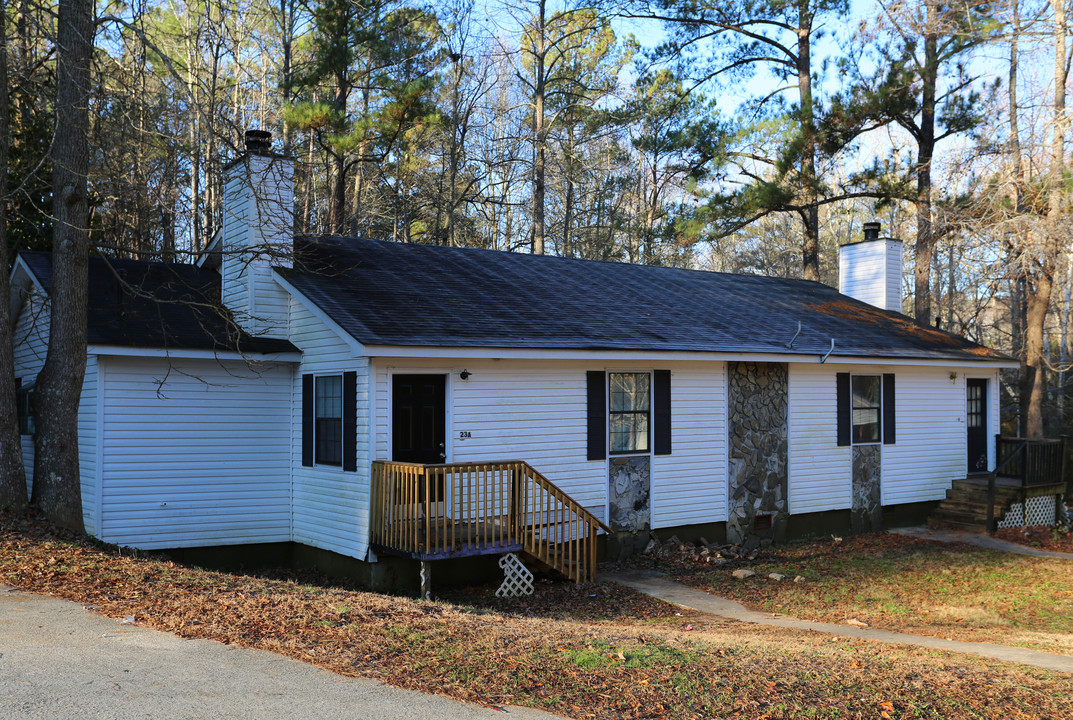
{"x":965,"y":505}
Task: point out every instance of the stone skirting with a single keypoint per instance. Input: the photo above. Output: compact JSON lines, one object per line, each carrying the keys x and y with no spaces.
{"x":757,"y":449}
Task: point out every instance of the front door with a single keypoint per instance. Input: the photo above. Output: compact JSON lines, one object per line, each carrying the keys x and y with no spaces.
{"x":418,"y":418}
{"x":976,"y":423}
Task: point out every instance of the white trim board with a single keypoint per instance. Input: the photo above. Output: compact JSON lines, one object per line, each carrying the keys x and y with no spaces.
{"x":422,"y":351}
{"x":193,"y":354}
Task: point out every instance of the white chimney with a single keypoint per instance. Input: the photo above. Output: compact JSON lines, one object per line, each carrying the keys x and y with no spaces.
{"x":257,"y":233}
{"x":871,"y":270}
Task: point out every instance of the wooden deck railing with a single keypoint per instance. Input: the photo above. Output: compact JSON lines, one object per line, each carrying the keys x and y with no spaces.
{"x":1036,"y":463}
{"x":433,"y":512}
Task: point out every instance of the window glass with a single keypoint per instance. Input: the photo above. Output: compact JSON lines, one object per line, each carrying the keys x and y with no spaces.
{"x":629,"y":412}
{"x":328,"y":414}
{"x":867,"y":391}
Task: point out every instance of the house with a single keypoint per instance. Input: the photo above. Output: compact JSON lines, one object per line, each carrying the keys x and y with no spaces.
{"x":356,"y":399}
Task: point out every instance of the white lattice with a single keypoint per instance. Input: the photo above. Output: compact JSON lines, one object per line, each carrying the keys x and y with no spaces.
{"x":517,"y":579}
{"x":1040,"y":511}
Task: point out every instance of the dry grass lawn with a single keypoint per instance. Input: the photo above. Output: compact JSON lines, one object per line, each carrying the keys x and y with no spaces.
{"x":893,"y":582}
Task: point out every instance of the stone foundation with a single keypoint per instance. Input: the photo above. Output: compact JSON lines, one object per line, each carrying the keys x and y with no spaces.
{"x":867,"y":510}
{"x":757,"y":424}
{"x":629,"y":494}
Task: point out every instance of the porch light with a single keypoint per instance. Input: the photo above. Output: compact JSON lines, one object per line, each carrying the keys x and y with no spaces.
{"x":465,"y":374}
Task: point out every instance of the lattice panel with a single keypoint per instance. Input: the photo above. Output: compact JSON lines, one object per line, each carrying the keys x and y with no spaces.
{"x":517,"y":579}
{"x":1040,"y":511}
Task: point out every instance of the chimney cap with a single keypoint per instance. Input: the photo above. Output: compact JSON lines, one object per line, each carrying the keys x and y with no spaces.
{"x":871,"y":230}
{"x":258,"y":142}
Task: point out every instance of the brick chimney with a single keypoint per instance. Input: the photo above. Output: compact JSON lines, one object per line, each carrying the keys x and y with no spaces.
{"x":870,"y":270}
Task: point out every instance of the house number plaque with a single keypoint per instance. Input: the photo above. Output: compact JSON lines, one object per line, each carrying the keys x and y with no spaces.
{"x":464,"y":434}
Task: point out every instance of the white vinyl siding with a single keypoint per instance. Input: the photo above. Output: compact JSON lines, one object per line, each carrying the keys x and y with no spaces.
{"x":31,"y":344}
{"x":521,"y":410}
{"x":513,"y":410}
{"x":87,"y":445}
{"x":930,"y":451}
{"x":689,"y":486}
{"x":330,"y":506}
{"x":872,"y":272}
{"x":256,"y":234}
{"x":195,"y":453}
{"x":820,"y":472}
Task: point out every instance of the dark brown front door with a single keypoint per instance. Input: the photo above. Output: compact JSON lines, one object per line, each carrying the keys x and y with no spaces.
{"x":976,"y":422}
{"x":418,"y":418}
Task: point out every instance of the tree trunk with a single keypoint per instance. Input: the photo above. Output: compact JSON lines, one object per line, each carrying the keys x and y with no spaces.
{"x":810,"y":244}
{"x":925,"y":249}
{"x":12,"y":472}
{"x":1018,"y":282}
{"x":57,"y":487}
{"x":1040,"y":300}
{"x":539,"y":131}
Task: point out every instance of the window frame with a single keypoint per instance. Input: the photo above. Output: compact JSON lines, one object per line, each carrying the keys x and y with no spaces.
{"x":25,"y":410}
{"x":877,"y":408}
{"x":318,"y":458}
{"x":647,"y":413}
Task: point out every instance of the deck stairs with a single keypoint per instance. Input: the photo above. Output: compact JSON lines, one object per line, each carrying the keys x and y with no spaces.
{"x":436,"y":512}
{"x":1025,"y":470}
{"x":965,"y":505}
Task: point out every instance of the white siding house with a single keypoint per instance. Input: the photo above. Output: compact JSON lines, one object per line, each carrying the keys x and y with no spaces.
{"x":659,"y":399}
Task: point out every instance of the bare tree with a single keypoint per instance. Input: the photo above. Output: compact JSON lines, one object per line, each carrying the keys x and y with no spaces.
{"x":12,"y":473}
{"x":57,"y":487}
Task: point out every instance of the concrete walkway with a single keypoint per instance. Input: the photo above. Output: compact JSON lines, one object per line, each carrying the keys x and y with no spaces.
{"x":981,"y":539}
{"x":658,"y":586}
{"x":58,"y":660}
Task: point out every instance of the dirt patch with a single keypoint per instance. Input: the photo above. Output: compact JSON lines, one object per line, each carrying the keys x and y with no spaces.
{"x":1044,"y":538}
{"x":643,"y":659}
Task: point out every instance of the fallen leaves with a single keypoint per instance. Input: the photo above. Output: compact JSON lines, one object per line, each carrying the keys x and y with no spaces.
{"x":563,"y":649}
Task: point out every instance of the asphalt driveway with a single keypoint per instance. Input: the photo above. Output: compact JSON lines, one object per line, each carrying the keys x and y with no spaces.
{"x":60,"y":661}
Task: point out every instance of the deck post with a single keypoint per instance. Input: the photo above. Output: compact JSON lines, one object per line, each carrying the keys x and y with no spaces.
{"x":991,"y":480}
{"x":426,"y":580}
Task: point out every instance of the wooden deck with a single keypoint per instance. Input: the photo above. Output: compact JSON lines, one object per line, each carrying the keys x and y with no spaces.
{"x":1025,"y":469}
{"x":436,"y":512}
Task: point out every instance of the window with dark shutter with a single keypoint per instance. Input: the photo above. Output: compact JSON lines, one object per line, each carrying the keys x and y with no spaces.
{"x":843,"y":408}
{"x":630,"y":405}
{"x":350,"y":421}
{"x":25,"y":409}
{"x":661,"y":409}
{"x":888,"y":409}
{"x":307,"y":420}
{"x":596,"y":414}
{"x":328,"y":420}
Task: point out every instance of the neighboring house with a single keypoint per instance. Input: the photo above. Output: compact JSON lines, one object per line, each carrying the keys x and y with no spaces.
{"x":660,"y":399}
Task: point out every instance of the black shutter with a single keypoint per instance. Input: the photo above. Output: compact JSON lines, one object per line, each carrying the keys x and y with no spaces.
{"x":888,"y":409}
{"x":597,"y":414}
{"x":661,"y":405}
{"x":307,"y":420}
{"x":350,"y":421}
{"x":845,"y":430}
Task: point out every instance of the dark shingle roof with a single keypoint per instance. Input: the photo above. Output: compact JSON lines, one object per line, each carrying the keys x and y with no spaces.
{"x":134,"y":303}
{"x":385,"y":293}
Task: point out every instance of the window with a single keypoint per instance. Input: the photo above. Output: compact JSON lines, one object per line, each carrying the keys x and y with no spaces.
{"x":629,"y":412}
{"x":867,"y":404}
{"x":24,"y":401}
{"x":328,"y":414}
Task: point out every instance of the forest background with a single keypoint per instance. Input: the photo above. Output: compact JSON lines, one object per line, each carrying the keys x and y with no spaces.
{"x":746,"y":136}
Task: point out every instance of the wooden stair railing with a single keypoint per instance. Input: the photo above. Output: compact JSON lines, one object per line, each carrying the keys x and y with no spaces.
{"x":1036,"y":463}
{"x":432,"y":512}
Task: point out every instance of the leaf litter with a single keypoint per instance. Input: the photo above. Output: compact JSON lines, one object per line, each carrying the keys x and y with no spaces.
{"x":597,"y":650}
